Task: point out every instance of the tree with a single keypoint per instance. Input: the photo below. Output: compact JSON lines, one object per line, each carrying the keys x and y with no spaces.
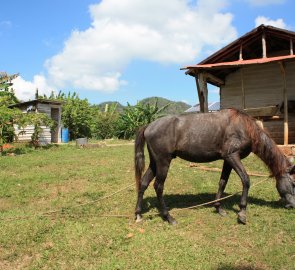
{"x":77,"y":116}
{"x":7,"y":116}
{"x":5,"y":80}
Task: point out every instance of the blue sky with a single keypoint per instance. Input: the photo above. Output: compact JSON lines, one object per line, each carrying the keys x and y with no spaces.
{"x":123,"y":50}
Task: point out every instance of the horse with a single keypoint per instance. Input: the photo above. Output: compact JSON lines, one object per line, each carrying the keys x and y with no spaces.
{"x":229,"y":134}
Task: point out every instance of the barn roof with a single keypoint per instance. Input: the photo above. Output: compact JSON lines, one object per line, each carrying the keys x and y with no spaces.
{"x":247,"y":50}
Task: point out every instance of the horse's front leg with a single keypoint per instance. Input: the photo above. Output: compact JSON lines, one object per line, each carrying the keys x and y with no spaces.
{"x":235,"y":161}
{"x":226,"y":170}
{"x":145,"y":181}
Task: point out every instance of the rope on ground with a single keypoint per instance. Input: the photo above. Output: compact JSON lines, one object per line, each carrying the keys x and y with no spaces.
{"x":213,"y":169}
{"x":61,"y":210}
{"x":218,"y":200}
{"x":48,"y":213}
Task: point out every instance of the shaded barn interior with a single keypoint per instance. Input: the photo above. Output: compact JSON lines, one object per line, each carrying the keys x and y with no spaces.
{"x":255,"y":73}
{"x":49,"y":107}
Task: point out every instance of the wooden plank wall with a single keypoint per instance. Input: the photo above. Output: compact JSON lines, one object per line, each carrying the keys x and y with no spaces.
{"x":45,"y":136}
{"x":276,"y":129}
{"x":44,"y":108}
{"x":263,"y":86}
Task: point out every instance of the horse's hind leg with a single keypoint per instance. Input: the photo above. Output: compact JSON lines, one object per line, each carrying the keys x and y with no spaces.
{"x":145,"y":181}
{"x":226,"y":170}
{"x":162,"y":170}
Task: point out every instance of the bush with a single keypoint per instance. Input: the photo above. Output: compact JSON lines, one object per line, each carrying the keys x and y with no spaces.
{"x":104,"y":123}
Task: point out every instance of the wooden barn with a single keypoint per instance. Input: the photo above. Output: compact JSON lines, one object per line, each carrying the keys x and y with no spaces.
{"x":255,"y":73}
{"x":49,"y":107}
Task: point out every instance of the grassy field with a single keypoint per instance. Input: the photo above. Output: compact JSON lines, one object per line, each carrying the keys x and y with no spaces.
{"x":82,"y":238}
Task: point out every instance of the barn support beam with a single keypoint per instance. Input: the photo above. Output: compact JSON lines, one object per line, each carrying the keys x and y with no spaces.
{"x":241,"y":52}
{"x":200,"y":94}
{"x":263,"y":46}
{"x":285,"y":94}
{"x":213,"y":78}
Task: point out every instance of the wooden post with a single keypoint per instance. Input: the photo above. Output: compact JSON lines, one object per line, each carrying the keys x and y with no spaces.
{"x":286,"y":127}
{"x":263,"y":46}
{"x":203,"y":90}
{"x":241,"y":52}
{"x":200,"y":95}
{"x":291,"y":47}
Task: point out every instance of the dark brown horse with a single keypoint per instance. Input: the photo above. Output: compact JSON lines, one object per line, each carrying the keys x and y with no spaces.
{"x":230,"y":135}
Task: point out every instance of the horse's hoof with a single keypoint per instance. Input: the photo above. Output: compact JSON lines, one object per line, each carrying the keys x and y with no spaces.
{"x":138,"y":218}
{"x":242,"y":218}
{"x":290,"y":206}
{"x":171,"y":220}
{"x":222,"y":212}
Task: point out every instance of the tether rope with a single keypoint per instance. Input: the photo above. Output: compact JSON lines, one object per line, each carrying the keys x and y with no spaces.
{"x":63,"y":209}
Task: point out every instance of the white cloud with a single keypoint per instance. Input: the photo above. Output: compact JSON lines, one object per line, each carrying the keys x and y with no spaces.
{"x":267,"y":21}
{"x":25,"y":90}
{"x":166,"y":31}
{"x":265,"y":2}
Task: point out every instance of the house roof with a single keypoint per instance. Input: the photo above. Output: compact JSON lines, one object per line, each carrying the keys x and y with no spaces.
{"x":233,"y":64}
{"x":278,"y":48}
{"x":212,"y":106}
{"x":35,"y":101}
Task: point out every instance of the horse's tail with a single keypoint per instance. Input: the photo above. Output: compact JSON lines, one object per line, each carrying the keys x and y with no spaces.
{"x":139,"y":156}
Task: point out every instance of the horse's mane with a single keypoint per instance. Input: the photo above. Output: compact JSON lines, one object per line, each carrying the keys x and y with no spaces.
{"x":262,"y":144}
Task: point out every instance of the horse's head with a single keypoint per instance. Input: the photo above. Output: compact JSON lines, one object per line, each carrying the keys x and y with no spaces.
{"x":286,"y":187}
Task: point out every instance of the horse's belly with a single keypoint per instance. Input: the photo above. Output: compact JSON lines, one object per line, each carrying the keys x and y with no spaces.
{"x":199,"y":157}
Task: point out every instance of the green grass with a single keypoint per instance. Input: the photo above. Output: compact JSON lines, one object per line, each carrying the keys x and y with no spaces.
{"x":80,"y":238}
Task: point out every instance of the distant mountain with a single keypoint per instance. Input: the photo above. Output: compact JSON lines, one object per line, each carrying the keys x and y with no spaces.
{"x":174,"y":107}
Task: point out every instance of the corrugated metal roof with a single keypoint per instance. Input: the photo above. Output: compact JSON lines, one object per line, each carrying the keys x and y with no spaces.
{"x":212,"y":106}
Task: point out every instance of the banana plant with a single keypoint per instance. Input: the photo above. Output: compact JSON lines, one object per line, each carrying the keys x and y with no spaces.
{"x":136,"y":116}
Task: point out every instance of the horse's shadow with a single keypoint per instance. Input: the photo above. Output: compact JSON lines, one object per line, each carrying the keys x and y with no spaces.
{"x":177,"y":201}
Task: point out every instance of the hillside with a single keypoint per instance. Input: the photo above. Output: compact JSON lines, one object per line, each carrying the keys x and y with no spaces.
{"x":175,"y":107}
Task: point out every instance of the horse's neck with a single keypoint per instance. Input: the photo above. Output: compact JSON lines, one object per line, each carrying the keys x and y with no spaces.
{"x":272,"y":156}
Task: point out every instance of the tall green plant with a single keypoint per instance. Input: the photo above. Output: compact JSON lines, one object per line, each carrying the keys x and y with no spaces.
{"x":77,"y":116}
{"x":134,"y":117}
{"x":105,"y":122}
